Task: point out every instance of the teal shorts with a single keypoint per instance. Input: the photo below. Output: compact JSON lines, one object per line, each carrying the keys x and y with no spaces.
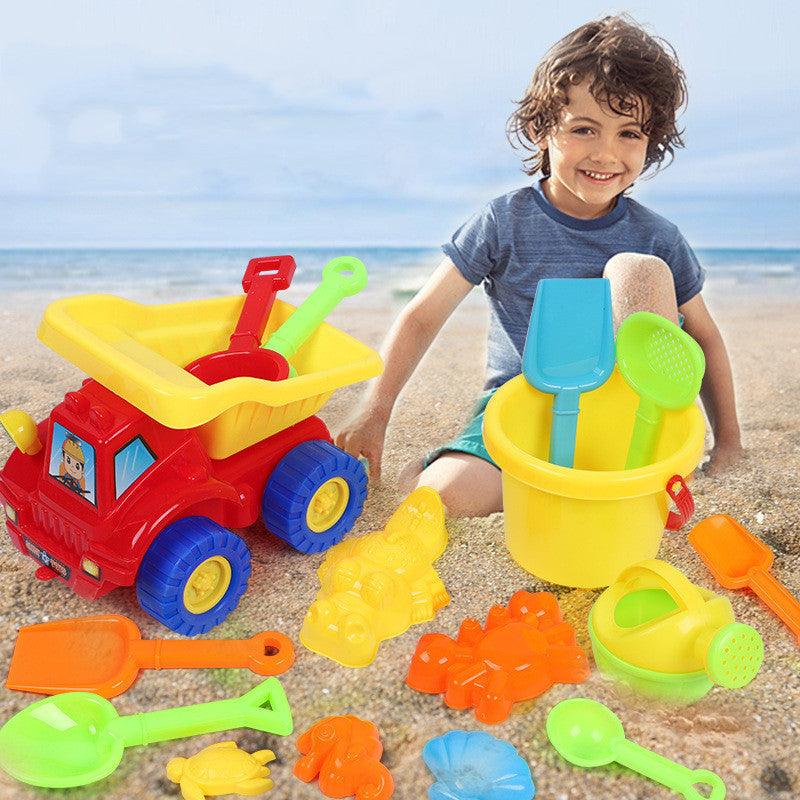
{"x":470,"y":439}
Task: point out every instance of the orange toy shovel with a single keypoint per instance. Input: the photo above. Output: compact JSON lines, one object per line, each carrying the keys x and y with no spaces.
{"x":104,"y":655}
{"x":739,"y":560}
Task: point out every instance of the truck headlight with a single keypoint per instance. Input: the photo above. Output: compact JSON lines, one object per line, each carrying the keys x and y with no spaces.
{"x":11,"y":513}
{"x":90,"y":568}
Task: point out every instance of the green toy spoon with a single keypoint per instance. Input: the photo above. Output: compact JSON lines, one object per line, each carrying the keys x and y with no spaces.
{"x":588,"y":734}
{"x":76,"y":738}
{"x":341,"y":277}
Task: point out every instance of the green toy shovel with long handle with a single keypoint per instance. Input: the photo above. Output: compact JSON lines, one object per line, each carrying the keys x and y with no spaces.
{"x":76,"y":738}
{"x":341,"y":277}
{"x":665,"y":367}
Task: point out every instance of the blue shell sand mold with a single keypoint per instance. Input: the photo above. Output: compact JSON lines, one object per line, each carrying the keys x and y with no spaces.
{"x":476,"y":766}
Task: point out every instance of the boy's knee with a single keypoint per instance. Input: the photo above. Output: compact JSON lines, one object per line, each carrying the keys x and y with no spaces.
{"x":639,"y":267}
{"x":468,"y":485}
{"x":640,"y":282}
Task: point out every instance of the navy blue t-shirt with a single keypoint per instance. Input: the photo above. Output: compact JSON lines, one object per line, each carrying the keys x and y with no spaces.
{"x":520,"y":238}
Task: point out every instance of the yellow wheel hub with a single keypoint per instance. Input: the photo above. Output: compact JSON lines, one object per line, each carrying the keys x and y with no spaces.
{"x":207,"y":585}
{"x":327,"y":505}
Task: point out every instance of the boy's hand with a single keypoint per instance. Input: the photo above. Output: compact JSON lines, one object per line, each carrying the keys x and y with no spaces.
{"x":724,"y":457}
{"x":364,"y":435}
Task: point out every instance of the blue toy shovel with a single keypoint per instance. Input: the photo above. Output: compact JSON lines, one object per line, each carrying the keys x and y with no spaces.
{"x":569,"y":350}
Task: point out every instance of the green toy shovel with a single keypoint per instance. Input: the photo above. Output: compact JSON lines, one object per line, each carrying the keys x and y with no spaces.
{"x":665,"y":367}
{"x":76,"y":738}
{"x":341,"y":277}
{"x":588,"y":734}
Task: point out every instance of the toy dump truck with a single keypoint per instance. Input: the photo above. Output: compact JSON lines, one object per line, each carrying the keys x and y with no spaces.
{"x":138,"y":477}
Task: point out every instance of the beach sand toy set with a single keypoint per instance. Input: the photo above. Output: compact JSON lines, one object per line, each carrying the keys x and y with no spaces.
{"x":77,"y":738}
{"x":659,"y":635}
{"x":140,"y":352}
{"x":165,"y":464}
{"x":738,"y":560}
{"x":581,"y":526}
{"x":105,"y":654}
{"x":588,"y":734}
{"x":374,"y":587}
{"x":524,"y":648}
{"x":476,"y":766}
{"x":221,"y":769}
{"x":343,"y":754}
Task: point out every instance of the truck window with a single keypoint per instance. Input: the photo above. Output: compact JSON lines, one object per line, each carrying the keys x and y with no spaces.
{"x":130,"y":463}
{"x":72,"y":463}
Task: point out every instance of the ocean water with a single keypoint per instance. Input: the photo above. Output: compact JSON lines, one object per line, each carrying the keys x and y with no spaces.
{"x":175,"y":273}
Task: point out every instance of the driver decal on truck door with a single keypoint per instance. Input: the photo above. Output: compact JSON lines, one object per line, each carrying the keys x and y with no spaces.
{"x":72,"y":463}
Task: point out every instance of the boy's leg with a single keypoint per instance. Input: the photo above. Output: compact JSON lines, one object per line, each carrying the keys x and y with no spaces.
{"x":468,"y":485}
{"x":640,"y":283}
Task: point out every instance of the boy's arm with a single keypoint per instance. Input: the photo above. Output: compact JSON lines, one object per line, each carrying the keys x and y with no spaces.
{"x":407,"y":341}
{"x":717,"y":391}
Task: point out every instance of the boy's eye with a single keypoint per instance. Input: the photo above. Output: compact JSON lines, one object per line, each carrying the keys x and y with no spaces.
{"x":582,"y":131}
{"x":632,"y":134}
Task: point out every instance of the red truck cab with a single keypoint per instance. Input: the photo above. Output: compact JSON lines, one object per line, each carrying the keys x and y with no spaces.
{"x":108,"y":482}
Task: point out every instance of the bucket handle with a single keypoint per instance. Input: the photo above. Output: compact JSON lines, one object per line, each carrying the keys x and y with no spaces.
{"x":680,"y":588}
{"x":682,"y":497}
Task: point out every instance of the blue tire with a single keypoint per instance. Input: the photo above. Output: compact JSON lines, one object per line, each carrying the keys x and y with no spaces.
{"x":314,"y":496}
{"x":216,"y":560}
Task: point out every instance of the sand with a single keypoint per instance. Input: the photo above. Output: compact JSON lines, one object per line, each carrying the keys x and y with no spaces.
{"x":750,"y":737}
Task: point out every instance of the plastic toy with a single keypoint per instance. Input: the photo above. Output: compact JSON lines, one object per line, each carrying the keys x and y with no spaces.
{"x":664,"y":637}
{"x":521,"y":652}
{"x":263,"y":278}
{"x":739,"y":560}
{"x":342,"y":277}
{"x":583,"y":526}
{"x":665,"y":367}
{"x":169,"y":464}
{"x":77,"y":738}
{"x":476,"y":766}
{"x":588,"y":734}
{"x":344,"y":753}
{"x":374,"y":587}
{"x":221,"y":769}
{"x":569,"y":350}
{"x":104,"y":655}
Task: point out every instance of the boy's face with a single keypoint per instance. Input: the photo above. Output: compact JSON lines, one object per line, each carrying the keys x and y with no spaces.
{"x":595,"y":154}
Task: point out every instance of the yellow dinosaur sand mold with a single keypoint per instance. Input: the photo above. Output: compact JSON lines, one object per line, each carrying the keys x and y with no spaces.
{"x":374,"y":587}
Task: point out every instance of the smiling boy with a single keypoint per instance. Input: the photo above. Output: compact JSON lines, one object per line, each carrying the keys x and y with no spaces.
{"x":600,"y":111}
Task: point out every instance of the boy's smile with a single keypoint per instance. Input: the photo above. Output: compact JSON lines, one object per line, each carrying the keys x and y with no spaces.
{"x":595,"y":154}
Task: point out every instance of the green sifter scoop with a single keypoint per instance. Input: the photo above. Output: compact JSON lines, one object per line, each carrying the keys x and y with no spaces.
{"x":665,"y":367}
{"x":76,"y":738}
{"x":588,"y":734}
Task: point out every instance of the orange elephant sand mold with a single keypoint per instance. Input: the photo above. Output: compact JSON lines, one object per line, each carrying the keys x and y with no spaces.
{"x":344,"y":753}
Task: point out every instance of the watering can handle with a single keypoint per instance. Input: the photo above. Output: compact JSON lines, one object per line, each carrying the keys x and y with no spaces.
{"x":680,"y":494}
{"x":680,"y":588}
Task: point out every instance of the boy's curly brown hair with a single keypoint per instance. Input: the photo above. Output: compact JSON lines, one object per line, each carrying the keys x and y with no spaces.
{"x":628,"y":69}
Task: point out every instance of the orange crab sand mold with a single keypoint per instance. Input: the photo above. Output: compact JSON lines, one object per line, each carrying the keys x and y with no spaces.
{"x":524,"y":648}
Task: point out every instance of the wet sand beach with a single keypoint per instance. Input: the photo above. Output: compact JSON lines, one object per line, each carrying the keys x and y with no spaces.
{"x":750,"y":737}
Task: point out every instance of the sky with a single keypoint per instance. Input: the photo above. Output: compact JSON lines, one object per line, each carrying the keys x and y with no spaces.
{"x":251,"y":122}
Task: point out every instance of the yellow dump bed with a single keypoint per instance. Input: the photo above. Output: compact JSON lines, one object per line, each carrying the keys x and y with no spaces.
{"x":139,"y":351}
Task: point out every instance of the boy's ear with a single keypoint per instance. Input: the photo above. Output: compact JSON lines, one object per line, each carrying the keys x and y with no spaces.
{"x":539,"y":141}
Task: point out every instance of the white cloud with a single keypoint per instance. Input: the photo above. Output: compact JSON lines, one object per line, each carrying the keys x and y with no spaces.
{"x":355,"y":103}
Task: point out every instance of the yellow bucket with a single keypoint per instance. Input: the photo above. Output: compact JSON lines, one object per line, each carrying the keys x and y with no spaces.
{"x":582,"y":526}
